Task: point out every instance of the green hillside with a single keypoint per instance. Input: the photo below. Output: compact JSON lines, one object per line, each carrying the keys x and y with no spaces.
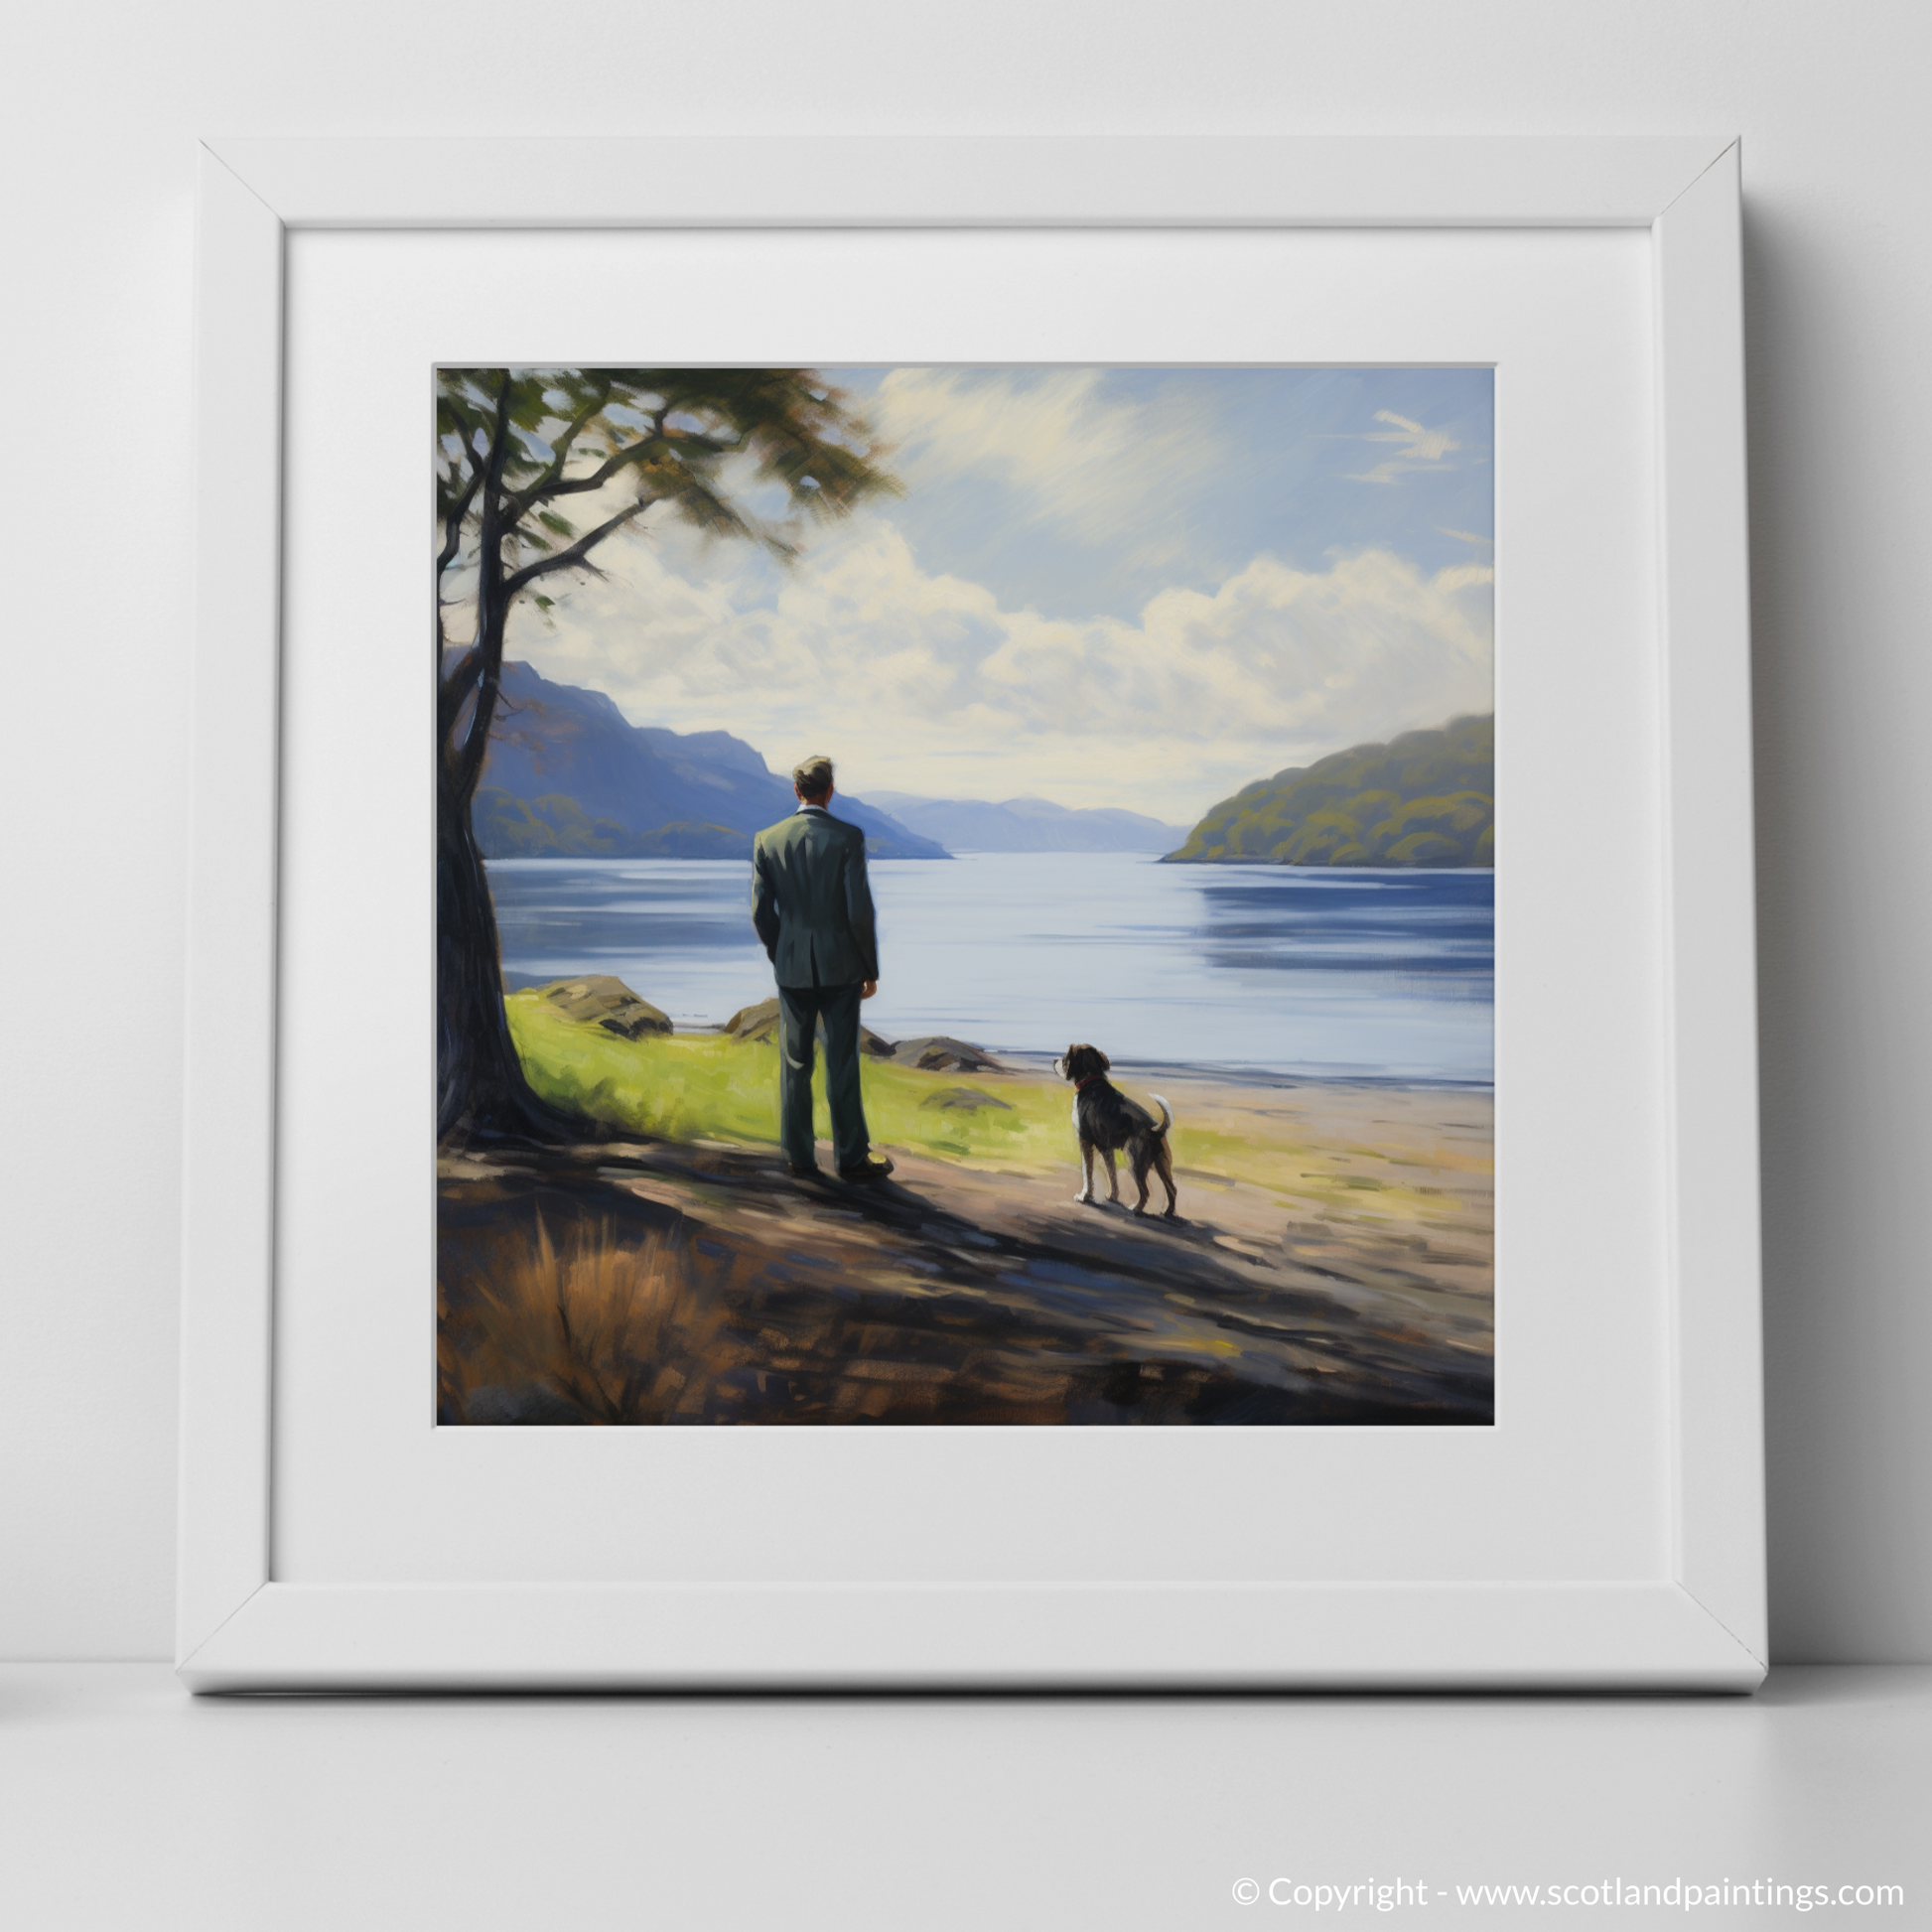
{"x":1426,"y":798}
{"x":557,"y":827}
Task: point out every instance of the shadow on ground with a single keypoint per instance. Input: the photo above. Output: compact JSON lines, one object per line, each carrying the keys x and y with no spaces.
{"x":652,"y":1282}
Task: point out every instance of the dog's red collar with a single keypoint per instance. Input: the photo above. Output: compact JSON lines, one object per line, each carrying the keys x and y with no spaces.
{"x":1088,"y":1081}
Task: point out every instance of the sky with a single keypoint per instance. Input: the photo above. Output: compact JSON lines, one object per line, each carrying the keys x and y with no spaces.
{"x":1140,"y":588}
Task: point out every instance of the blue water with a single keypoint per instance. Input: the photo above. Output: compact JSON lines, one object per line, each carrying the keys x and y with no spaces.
{"x":1336,"y":973}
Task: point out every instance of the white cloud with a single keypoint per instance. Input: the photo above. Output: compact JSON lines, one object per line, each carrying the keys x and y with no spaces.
{"x":1422,"y":449}
{"x":1077,"y":456}
{"x":922,"y":682}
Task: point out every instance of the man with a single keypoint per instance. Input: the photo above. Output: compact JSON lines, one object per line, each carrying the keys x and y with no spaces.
{"x":812,"y":907}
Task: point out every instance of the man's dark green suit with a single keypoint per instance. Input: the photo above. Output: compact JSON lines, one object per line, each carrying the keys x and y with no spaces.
{"x":812,"y":904}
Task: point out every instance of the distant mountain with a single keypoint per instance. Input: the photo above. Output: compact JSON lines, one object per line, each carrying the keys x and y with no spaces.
{"x":567,"y":775}
{"x":1425,"y":799}
{"x":1028,"y":825}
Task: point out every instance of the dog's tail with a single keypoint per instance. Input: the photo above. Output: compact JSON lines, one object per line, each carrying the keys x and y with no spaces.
{"x":1167,"y":1119}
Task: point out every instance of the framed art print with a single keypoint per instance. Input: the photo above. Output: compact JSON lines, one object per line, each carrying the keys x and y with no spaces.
{"x":1216,"y":645}
{"x":975,"y":972}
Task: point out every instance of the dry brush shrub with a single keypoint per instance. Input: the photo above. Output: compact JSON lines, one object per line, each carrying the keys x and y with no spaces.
{"x":624,"y":1331}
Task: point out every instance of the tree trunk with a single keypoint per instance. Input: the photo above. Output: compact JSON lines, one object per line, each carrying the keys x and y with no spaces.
{"x":482,"y":1096}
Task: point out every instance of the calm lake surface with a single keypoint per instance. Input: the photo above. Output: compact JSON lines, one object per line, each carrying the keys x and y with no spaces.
{"x":1336,"y":973}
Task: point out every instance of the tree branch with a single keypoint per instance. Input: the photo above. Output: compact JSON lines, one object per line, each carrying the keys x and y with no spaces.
{"x":452,"y":543}
{"x":539,"y":491}
{"x":598,"y":478}
{"x":577,"y":551}
{"x":493,"y":600}
{"x":481,"y":670}
{"x":453,"y":525}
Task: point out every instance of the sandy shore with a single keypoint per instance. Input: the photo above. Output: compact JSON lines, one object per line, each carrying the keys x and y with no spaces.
{"x":1348,"y":1185}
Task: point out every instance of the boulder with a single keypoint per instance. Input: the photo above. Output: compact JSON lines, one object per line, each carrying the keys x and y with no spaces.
{"x":760,"y":1025}
{"x":938,"y":1054}
{"x":754,"y":1022}
{"x":965,"y":1100}
{"x":602,"y":1001}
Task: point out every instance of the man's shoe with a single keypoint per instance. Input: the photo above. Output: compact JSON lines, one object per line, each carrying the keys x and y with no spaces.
{"x":867,"y":1170}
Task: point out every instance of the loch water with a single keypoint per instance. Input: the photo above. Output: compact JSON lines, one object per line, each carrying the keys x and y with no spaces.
{"x":1319,"y":973}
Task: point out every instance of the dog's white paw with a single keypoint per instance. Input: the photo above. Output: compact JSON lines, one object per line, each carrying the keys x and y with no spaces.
{"x":1083,"y":1200}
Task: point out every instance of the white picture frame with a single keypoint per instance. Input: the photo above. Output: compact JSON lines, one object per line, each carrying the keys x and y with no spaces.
{"x":1697,"y":1622}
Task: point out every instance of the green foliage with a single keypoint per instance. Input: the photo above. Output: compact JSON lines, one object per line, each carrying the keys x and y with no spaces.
{"x":554,"y":827}
{"x":692,"y":841}
{"x":515,"y":444}
{"x":1425,"y":799}
{"x":557,"y":827}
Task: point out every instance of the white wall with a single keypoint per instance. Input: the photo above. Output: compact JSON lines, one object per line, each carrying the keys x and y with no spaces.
{"x":104,"y":107}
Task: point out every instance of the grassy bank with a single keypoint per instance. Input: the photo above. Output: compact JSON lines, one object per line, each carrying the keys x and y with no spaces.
{"x":707,"y":1087}
{"x":691,"y":1087}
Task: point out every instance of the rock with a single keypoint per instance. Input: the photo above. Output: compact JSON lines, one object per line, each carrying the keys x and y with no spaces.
{"x":529,"y":1404}
{"x":965,"y":1100}
{"x":938,"y":1054}
{"x":608,"y":1003}
{"x":760,"y":1025}
{"x":754,"y":1022}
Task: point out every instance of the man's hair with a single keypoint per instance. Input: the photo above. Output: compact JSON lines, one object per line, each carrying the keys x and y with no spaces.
{"x":814,"y":777}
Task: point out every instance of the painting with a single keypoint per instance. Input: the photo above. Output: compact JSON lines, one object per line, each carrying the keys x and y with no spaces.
{"x":964,"y":895}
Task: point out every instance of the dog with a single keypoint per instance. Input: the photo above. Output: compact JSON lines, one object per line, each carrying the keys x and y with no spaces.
{"x":1108,"y":1122}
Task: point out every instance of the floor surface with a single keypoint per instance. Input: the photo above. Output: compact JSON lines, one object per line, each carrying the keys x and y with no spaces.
{"x":125,"y":1803}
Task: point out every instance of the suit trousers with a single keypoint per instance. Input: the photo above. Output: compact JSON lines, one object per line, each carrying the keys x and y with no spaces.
{"x":801,"y":1009}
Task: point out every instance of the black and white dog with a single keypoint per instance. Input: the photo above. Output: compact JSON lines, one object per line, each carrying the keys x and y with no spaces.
{"x":1106,"y":1120}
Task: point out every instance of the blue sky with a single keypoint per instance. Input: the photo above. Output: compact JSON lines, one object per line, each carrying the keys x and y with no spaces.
{"x":1241,"y":462}
{"x":1105,"y":586}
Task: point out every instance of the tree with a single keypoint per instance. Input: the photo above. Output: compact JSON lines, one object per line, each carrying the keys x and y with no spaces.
{"x":513,"y":447}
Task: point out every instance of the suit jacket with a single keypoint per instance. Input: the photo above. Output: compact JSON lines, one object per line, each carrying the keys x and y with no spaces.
{"x":811,"y":902}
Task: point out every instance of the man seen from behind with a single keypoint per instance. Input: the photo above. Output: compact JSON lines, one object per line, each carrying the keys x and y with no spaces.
{"x":811,"y":904}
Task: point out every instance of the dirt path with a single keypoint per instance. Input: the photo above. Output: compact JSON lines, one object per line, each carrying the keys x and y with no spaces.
{"x":1356,"y":1289}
